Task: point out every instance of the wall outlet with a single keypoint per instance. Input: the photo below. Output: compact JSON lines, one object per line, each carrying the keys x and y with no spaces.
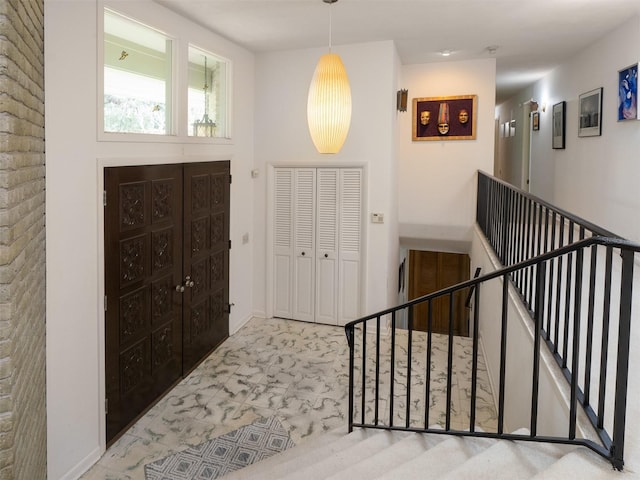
{"x":377,"y":218}
{"x":255,"y":173}
{"x":245,"y":238}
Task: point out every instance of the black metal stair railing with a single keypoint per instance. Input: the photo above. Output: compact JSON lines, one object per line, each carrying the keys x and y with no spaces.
{"x":578,"y":294}
{"x":520,"y":226}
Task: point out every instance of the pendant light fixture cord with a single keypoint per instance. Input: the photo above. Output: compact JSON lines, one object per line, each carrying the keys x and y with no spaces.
{"x":330,"y":2}
{"x":330,"y":26}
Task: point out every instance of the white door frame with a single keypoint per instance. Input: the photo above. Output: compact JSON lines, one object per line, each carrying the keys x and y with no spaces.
{"x":270,"y":177}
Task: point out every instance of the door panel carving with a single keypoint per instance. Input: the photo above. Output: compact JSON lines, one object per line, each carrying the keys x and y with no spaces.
{"x":161,"y":299}
{"x":163,"y":200}
{"x":132,"y":255}
{"x":132,"y":205}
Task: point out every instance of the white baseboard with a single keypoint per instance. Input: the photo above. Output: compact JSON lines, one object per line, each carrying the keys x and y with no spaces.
{"x":81,"y":467}
{"x":236,"y":325}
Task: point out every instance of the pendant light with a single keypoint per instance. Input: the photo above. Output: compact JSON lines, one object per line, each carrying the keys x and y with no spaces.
{"x":329,"y":101}
{"x":205,"y":127}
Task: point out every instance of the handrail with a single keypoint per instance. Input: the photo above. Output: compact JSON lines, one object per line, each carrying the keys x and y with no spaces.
{"x":598,"y":230}
{"x":559,"y":328}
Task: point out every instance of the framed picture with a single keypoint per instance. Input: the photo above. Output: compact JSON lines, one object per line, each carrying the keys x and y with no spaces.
{"x":535,"y":121}
{"x":444,"y":118}
{"x":590,"y":121}
{"x":557,"y":131}
{"x":628,"y":93}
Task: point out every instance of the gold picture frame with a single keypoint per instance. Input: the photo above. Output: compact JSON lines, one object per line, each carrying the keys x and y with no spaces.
{"x":445,"y":118}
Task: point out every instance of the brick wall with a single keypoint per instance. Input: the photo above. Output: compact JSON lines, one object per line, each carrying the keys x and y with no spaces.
{"x":22,"y":237}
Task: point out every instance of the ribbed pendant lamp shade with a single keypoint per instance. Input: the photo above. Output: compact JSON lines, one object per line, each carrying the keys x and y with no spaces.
{"x":329,"y":104}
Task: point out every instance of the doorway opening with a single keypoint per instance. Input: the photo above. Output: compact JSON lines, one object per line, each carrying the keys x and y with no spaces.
{"x":432,"y":271}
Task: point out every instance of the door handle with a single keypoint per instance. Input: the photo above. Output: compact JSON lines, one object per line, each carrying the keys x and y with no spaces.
{"x":188,"y":283}
{"x":326,"y":255}
{"x":303,"y":254}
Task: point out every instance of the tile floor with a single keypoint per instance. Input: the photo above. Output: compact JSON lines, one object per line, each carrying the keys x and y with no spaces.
{"x":296,"y":370}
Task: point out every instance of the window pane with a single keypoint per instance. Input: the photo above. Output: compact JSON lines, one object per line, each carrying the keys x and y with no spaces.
{"x":207,"y":94}
{"x":137,"y":77}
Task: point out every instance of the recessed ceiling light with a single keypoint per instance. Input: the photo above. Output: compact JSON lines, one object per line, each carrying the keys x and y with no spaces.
{"x":445,"y":53}
{"x":492,"y":49}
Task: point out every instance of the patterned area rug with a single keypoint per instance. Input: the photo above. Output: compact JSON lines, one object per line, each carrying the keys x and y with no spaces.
{"x":224,"y":454}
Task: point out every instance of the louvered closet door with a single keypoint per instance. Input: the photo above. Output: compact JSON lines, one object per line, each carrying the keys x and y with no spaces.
{"x":350,"y":244}
{"x":317,"y":244}
{"x":283,"y":243}
{"x":327,"y":246}
{"x":304,"y":243}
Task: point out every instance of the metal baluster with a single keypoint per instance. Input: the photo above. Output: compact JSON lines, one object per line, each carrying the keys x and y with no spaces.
{"x":523,"y":219}
{"x":377,"y":402}
{"x":575,"y":349}
{"x":409,"y":350}
{"x":622,"y":364}
{"x":503,"y":351}
{"x":504,"y":258}
{"x":567,"y":301}
{"x":536,"y":350}
{"x":547,"y":327}
{"x":590,"y":316}
{"x":474,"y":368}
{"x":528,"y":273}
{"x":364,"y":367}
{"x":552,"y":265}
{"x":393,"y":365}
{"x":449,"y":364}
{"x":350,"y":340}
{"x":604,"y":348}
{"x":556,"y":343}
{"x":428,"y":376}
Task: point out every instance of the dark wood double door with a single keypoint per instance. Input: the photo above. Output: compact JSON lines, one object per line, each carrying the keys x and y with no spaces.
{"x":166,"y":279}
{"x":433,"y":271}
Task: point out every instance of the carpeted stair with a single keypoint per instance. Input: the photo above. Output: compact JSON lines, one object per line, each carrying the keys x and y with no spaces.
{"x":387,"y":455}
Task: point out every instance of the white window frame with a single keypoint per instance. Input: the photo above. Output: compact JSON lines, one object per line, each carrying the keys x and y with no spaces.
{"x":178,"y":132}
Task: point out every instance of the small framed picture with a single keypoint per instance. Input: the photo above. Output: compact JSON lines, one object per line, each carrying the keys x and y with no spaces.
{"x":590,"y":120}
{"x":557,"y":131}
{"x":628,"y":93}
{"x":535,"y":121}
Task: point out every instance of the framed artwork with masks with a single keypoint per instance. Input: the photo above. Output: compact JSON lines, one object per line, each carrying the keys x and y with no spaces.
{"x":444,"y":118}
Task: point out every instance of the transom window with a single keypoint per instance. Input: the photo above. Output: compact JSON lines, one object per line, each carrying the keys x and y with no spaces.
{"x":142,"y":81}
{"x":207,"y":94}
{"x":137,"y":77}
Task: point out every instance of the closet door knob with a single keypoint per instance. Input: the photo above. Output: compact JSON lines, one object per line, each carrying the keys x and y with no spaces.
{"x":326,"y":255}
{"x":303,"y":254}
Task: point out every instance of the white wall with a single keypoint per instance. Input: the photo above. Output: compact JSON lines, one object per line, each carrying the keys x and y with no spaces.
{"x":75,"y":322}
{"x":437,"y":179}
{"x":593,"y":177}
{"x":282,"y":138}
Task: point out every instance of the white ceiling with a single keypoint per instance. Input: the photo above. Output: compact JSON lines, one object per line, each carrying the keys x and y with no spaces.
{"x":532,"y":36}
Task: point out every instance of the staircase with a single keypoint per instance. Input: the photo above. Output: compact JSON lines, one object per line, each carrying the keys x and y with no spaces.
{"x":390,"y":455}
